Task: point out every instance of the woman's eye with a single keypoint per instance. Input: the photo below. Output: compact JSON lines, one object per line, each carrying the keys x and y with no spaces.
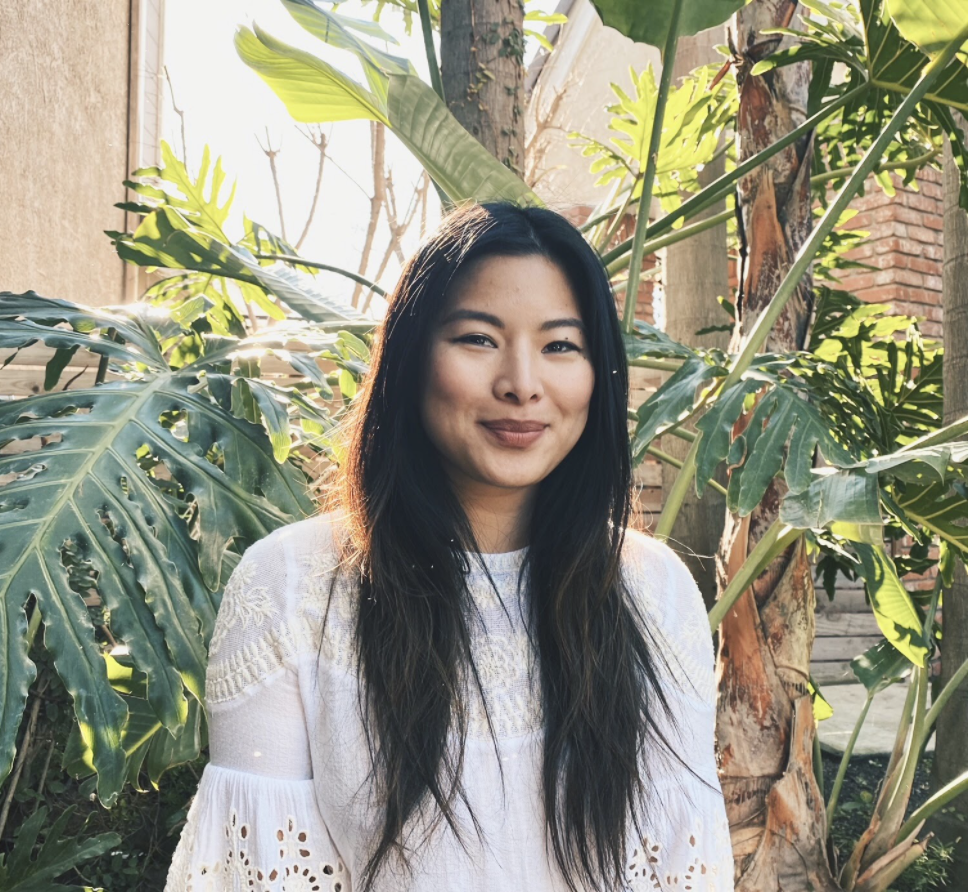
{"x":563,"y":347}
{"x":476,"y":339}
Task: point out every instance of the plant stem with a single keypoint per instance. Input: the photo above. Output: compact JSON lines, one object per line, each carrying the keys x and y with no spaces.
{"x":677,"y":235}
{"x":911,"y":164}
{"x":774,"y":540}
{"x":722,"y":186}
{"x":677,"y":463}
{"x":845,"y":761}
{"x":948,"y":792}
{"x":299,"y":261}
{"x":428,"y":38}
{"x":655,"y":139}
{"x":662,"y":365}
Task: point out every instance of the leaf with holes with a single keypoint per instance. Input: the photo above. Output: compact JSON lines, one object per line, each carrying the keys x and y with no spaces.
{"x":142,"y":483}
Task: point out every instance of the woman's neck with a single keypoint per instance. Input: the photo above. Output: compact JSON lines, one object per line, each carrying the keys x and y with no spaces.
{"x":500,"y":518}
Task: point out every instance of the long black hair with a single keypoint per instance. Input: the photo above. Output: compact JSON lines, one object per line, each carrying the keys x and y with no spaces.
{"x":405,"y":538}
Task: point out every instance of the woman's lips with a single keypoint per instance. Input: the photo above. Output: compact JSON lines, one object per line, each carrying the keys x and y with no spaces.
{"x":516,"y":439}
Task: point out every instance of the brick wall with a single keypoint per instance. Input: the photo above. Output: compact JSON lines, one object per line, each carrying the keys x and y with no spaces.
{"x":905,"y":248}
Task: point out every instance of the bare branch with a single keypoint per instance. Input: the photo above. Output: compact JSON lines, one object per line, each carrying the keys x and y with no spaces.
{"x":181,"y":116}
{"x":377,"y":201}
{"x":271,"y":153}
{"x":320,"y":140}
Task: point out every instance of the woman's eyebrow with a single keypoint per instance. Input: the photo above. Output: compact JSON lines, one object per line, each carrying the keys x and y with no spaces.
{"x":473,"y":315}
{"x":569,"y":322}
{"x":478,"y":316}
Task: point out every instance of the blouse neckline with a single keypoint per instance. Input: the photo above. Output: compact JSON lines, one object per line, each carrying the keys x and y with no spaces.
{"x":496,"y":562}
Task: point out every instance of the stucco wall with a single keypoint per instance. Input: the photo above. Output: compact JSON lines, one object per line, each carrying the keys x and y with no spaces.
{"x":63,"y":146}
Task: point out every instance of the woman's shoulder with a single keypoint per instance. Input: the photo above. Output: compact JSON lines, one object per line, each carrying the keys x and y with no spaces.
{"x":310,"y":535}
{"x":659,"y":576}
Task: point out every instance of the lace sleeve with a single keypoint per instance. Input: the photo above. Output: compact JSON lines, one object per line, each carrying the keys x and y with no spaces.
{"x":254,"y":822}
{"x":687,"y":844}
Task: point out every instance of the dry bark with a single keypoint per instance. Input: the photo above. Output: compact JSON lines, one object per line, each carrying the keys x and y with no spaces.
{"x":765,"y":725}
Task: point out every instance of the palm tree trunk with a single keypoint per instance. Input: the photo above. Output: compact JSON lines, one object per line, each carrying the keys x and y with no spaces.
{"x":765,"y":726}
{"x":482,"y":69}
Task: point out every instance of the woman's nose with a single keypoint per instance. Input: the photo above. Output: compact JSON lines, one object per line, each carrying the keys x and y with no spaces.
{"x":519,"y":378}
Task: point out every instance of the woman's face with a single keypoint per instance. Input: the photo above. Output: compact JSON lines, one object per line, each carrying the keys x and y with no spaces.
{"x":509,"y":378}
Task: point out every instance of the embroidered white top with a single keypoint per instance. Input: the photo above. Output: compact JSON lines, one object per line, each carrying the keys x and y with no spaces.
{"x":286,"y":804}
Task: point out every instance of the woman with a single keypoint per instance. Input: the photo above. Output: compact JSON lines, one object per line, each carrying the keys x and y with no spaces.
{"x":469,"y":675}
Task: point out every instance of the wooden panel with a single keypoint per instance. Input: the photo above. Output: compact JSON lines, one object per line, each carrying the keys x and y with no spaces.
{"x":835,"y":672}
{"x":846,"y":624}
{"x":845,"y":648}
{"x":846,"y":600}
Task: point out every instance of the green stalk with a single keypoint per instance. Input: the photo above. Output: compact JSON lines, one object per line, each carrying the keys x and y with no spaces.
{"x":299,"y":261}
{"x":655,"y":139}
{"x":723,"y":186}
{"x":901,"y":794}
{"x":845,"y":761}
{"x":33,"y":625}
{"x":428,"y":37}
{"x":948,"y":792}
{"x":613,"y":227}
{"x":662,"y":365}
{"x":774,"y":540}
{"x":677,"y":235}
{"x":911,"y":164}
{"x":677,"y":495}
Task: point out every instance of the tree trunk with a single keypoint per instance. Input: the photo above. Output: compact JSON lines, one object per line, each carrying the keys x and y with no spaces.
{"x":951,"y":754}
{"x":482,"y":69}
{"x":765,"y":725}
{"x":696,"y":271}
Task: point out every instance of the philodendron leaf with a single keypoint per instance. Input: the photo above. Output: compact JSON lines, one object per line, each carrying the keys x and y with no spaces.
{"x":784,"y":430}
{"x":650,"y":22}
{"x":931,"y":24}
{"x":19,"y":872}
{"x":671,"y":402}
{"x":167,"y":239}
{"x":879,"y":666}
{"x":143,"y":483}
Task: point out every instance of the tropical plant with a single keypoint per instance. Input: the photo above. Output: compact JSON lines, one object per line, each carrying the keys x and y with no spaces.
{"x":147,"y":486}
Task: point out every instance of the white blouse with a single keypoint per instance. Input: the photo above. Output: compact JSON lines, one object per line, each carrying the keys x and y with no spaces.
{"x":286,"y":804}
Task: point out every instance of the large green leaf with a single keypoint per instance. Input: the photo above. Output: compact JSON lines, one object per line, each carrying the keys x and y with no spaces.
{"x":340,"y":31}
{"x":650,"y":22}
{"x":458,"y":163}
{"x":781,"y":417}
{"x":931,"y":24}
{"x":143,"y":482}
{"x":893,"y":608}
{"x":314,"y":92}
